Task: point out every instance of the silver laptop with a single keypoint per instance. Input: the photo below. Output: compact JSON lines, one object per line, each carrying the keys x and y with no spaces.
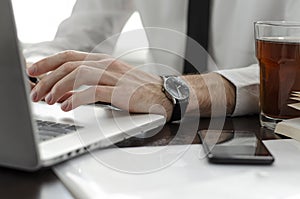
{"x":33,"y":135}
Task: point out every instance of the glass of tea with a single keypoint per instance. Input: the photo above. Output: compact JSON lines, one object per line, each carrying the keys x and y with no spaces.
{"x":278,"y":54}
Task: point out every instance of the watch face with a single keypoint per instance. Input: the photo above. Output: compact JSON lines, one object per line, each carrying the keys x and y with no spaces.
{"x":177,"y":88}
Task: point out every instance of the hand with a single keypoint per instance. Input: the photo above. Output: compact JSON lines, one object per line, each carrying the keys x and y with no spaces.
{"x":109,"y":81}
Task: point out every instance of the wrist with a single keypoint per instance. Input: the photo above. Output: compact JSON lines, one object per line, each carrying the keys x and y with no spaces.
{"x":177,"y":92}
{"x":159,"y":103}
{"x":168,"y":108}
{"x":166,"y":103}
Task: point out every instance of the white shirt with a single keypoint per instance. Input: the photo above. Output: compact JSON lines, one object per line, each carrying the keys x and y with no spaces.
{"x":231,"y":44}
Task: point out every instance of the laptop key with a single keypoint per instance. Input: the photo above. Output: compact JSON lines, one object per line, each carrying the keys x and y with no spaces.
{"x":48,"y":123}
{"x":54,"y":129}
{"x":48,"y":130}
{"x":49,"y":133}
{"x":73,"y":128}
{"x":59,"y":125}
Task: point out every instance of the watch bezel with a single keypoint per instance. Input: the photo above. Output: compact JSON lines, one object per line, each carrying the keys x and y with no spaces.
{"x":179,"y":103}
{"x":170,"y":94}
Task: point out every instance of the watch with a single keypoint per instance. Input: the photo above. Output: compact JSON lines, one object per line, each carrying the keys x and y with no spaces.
{"x":177,"y":91}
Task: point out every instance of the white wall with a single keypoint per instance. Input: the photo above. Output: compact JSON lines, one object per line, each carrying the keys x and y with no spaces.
{"x":37,"y":20}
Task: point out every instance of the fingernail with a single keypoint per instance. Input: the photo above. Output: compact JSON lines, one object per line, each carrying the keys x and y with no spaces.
{"x":31,"y":70}
{"x":48,"y":98}
{"x":33,"y":95}
{"x":65,"y":105}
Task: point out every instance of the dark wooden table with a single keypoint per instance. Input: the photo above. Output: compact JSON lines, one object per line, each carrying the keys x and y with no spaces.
{"x":44,"y":183}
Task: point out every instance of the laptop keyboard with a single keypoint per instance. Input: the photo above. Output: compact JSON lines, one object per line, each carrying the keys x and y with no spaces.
{"x":48,"y":130}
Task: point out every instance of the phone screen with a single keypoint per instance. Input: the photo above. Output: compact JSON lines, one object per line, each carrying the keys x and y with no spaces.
{"x":240,"y":147}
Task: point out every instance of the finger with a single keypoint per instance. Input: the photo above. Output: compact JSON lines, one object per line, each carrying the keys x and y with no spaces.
{"x":88,"y":96}
{"x":52,"y":62}
{"x":104,"y":64}
{"x":65,"y":97}
{"x":109,"y":64}
{"x":48,"y":81}
{"x":82,"y":75}
{"x":28,"y":64}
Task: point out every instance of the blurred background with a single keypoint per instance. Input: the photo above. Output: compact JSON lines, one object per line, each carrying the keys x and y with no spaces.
{"x":37,"y":21}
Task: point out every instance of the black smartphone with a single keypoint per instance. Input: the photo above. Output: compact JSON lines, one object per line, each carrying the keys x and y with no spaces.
{"x":234,"y":147}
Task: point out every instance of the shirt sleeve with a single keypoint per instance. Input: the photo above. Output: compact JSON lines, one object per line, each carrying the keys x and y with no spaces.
{"x":246,"y":82}
{"x":90,"y":23}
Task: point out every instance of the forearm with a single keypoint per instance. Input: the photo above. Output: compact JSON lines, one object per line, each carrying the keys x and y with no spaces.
{"x":211,"y":95}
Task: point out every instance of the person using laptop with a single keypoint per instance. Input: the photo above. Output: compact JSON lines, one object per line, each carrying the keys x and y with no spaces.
{"x":122,"y":85}
{"x":35,"y":135}
{"x":224,"y":28}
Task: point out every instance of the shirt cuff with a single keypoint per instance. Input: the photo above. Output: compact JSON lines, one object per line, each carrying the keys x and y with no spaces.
{"x":246,"y":82}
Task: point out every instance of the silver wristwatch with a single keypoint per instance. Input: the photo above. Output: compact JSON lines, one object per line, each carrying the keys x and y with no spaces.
{"x":176,"y":90}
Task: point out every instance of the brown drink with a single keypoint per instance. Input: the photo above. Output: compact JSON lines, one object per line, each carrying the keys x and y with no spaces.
{"x":279,"y":60}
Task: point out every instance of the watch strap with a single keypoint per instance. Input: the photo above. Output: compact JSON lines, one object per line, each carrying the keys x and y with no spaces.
{"x":179,"y":110}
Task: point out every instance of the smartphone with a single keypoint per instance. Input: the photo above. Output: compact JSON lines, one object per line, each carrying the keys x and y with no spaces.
{"x":234,"y":147}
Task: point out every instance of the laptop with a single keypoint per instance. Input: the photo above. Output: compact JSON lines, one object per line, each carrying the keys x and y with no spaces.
{"x":35,"y":135}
